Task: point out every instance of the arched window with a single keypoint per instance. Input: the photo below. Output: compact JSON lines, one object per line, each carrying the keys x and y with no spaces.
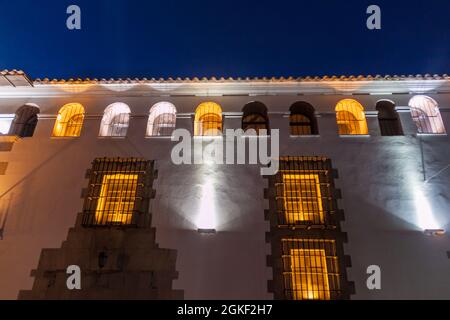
{"x":69,"y":121}
{"x":388,"y":119}
{"x":255,"y":117}
{"x":162,"y":120}
{"x":302,"y":121}
{"x":426,"y":115}
{"x":208,"y":120}
{"x":351,"y":118}
{"x":25,"y":121}
{"x":116,"y":119}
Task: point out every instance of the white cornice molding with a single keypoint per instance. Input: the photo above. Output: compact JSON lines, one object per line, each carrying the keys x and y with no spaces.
{"x":215,"y":89}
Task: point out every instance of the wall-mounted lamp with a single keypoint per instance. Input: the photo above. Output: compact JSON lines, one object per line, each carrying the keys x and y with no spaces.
{"x":434,"y":232}
{"x":207,"y":231}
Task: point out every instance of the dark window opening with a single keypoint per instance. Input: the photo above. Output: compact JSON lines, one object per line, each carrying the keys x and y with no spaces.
{"x":255,"y":117}
{"x":388,"y":119}
{"x":302,"y":120}
{"x":25,"y":121}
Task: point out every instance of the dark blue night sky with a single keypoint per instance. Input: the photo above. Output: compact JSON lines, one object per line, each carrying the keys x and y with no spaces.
{"x":167,"y":38}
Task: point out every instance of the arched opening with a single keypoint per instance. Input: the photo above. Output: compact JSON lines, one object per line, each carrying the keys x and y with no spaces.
{"x":162,"y":120}
{"x":255,"y":117}
{"x":425,"y":113}
{"x":25,"y":121}
{"x":351,"y":118}
{"x":208,"y":120}
{"x":115,"y":122}
{"x":388,"y":119}
{"x":302,"y":121}
{"x":69,"y":121}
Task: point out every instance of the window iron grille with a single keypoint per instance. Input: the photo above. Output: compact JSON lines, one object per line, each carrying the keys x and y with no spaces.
{"x":117,"y":189}
{"x":69,"y":121}
{"x":303,"y":192}
{"x":302,"y":120}
{"x":25,"y":121}
{"x":255,"y":118}
{"x":208,"y":120}
{"x":310,"y":269}
{"x":351,"y":118}
{"x":115,"y":121}
{"x":388,"y":119}
{"x":426,"y":115}
{"x":162,"y":120}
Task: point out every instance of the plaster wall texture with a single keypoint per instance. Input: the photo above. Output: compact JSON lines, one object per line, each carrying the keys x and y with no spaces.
{"x":381,"y":179}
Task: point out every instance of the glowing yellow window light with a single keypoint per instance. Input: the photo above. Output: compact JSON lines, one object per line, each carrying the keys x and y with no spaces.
{"x":117,"y":197}
{"x":351,"y":118}
{"x":69,"y":121}
{"x":302,"y":198}
{"x":208,"y":120}
{"x":309,"y":274}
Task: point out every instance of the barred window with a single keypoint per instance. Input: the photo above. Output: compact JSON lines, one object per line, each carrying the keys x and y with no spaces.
{"x":69,"y":121}
{"x":311,"y":269}
{"x":208,"y":120}
{"x":255,"y":118}
{"x":25,"y":121}
{"x":425,"y":113}
{"x":351,"y":118}
{"x":302,"y":198}
{"x":116,"y":191}
{"x":162,"y":120}
{"x":303,"y":120}
{"x":303,"y":191}
{"x":117,"y":197}
{"x":115,"y":121}
{"x":388,"y":119}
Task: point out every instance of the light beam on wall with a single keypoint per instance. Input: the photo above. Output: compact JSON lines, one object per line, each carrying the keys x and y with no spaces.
{"x":206,"y":220}
{"x":425,"y":217}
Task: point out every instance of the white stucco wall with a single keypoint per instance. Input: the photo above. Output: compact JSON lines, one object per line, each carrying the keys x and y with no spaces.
{"x":380,"y":179}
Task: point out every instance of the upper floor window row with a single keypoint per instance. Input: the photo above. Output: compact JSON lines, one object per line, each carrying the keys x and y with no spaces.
{"x":208,"y":120}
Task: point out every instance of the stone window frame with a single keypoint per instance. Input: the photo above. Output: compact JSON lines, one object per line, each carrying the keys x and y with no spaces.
{"x":330,"y":230}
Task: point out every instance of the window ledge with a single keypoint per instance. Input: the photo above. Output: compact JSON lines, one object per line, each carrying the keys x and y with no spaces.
{"x":255,"y":136}
{"x":158,"y":137}
{"x":208,"y":137}
{"x":9,"y":138}
{"x":354,"y":135}
{"x":111,"y":138}
{"x":306,"y":136}
{"x":432,"y":134}
{"x":63,"y":138}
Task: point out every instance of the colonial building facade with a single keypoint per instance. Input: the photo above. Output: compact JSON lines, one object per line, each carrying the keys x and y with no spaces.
{"x":88,"y":180}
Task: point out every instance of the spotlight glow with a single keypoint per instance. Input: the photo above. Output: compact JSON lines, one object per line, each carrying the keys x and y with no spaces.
{"x":425,"y":217}
{"x":206,"y":219}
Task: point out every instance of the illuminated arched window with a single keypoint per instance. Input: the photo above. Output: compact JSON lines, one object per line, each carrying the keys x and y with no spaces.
{"x":25,"y":121}
{"x":351,"y":118}
{"x":388,"y":119}
{"x":426,"y":115}
{"x":69,"y":121}
{"x":116,"y":119}
{"x":208,"y":120}
{"x":162,"y":120}
{"x":255,"y":117}
{"x":302,"y":121}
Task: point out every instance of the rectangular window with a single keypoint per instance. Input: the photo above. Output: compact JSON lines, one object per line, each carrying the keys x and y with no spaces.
{"x":117,"y":198}
{"x":118,"y":192}
{"x":310,"y":269}
{"x":302,"y":198}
